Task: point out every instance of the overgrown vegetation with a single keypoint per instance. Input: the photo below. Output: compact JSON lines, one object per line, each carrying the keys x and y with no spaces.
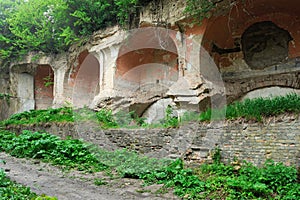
{"x":213,"y":181}
{"x":64,"y":114}
{"x":256,"y":109}
{"x":51,"y":26}
{"x":11,"y":190}
{"x":70,"y":153}
{"x":105,"y":118}
{"x":199,"y":9}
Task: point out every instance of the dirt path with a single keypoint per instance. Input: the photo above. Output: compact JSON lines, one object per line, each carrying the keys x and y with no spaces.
{"x":43,"y":178}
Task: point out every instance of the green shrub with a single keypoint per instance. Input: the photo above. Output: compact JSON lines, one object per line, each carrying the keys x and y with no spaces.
{"x":70,"y":153}
{"x":51,"y":26}
{"x":106,"y":119}
{"x":170,"y":120}
{"x":64,"y":114}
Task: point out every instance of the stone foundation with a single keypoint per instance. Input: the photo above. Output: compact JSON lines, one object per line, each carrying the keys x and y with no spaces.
{"x":277,"y":139}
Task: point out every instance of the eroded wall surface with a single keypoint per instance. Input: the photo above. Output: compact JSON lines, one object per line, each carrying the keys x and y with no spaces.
{"x":255,"y":44}
{"x":43,"y":87}
{"x":274,"y":139}
{"x":4,"y":88}
{"x":242,"y":47}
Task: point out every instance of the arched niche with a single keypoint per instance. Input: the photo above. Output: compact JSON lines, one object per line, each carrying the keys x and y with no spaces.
{"x":84,"y":80}
{"x":270,"y":92}
{"x":147,"y":61}
{"x":225,"y":32}
{"x":265,"y":44}
{"x":43,"y":86}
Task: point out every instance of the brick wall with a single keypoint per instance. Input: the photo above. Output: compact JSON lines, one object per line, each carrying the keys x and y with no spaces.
{"x":277,"y":139}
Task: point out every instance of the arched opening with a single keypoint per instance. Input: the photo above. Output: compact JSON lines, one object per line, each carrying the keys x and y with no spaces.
{"x":270,"y":92}
{"x":43,"y":86}
{"x":236,"y":38}
{"x":254,"y":44}
{"x":265,"y":44}
{"x":147,"y":62}
{"x":85,"y":80}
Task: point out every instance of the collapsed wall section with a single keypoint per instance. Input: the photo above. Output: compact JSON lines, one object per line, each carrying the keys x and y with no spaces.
{"x":254,"y":44}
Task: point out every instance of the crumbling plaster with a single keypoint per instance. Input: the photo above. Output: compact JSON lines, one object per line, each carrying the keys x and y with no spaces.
{"x":200,"y":76}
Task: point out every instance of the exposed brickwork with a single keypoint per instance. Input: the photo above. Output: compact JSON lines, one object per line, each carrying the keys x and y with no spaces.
{"x":237,"y":86}
{"x":255,"y":142}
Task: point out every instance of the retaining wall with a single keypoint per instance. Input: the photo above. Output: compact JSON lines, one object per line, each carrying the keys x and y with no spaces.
{"x":277,"y":139}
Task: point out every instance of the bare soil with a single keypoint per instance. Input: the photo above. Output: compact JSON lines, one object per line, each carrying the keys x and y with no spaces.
{"x":44,"y":178}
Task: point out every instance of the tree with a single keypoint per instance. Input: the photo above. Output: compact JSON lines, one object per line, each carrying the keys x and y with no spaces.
{"x":39,"y":25}
{"x":6,"y":37}
{"x":51,"y":26}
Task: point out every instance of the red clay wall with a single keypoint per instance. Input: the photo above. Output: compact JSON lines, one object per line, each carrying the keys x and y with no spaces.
{"x":226,"y":30}
{"x":43,"y":87}
{"x":141,"y":57}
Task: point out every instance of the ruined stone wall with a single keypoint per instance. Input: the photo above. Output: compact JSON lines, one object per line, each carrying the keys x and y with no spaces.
{"x":243,"y":46}
{"x":4,"y":87}
{"x":277,"y":139}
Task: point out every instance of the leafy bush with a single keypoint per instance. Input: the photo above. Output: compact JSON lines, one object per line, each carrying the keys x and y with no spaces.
{"x":106,"y":119}
{"x":170,"y":120}
{"x":71,"y":153}
{"x":250,"y":182}
{"x":64,"y":114}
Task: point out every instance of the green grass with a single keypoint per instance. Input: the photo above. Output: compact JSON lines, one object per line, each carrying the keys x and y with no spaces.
{"x":64,"y":114}
{"x":258,"y":108}
{"x":105,"y":118}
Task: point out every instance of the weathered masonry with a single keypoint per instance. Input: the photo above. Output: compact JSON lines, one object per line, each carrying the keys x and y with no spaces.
{"x":244,"y":49}
{"x":276,"y":139}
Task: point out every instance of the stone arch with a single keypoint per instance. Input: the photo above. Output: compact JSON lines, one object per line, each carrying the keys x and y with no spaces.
{"x":147,"y":61}
{"x":225,"y":39}
{"x":238,"y":88}
{"x":84,"y":79}
{"x":272,"y":91}
{"x":223,"y":34}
